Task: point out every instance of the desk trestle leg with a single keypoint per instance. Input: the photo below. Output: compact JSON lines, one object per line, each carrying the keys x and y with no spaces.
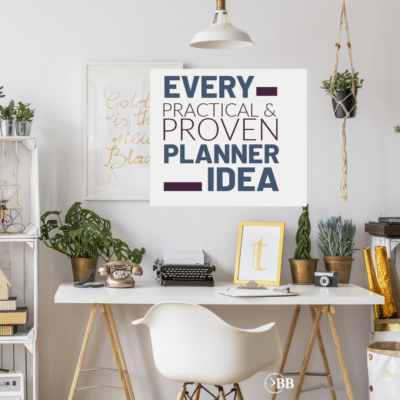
{"x":117,"y":350}
{"x":316,"y":333}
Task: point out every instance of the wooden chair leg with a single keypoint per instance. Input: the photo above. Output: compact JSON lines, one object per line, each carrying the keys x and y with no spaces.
{"x":221,"y":393}
{"x":239,"y":395}
{"x":323,"y":354}
{"x":197,"y":392}
{"x":181,"y":395}
{"x":340,"y":354}
{"x":288,"y":343}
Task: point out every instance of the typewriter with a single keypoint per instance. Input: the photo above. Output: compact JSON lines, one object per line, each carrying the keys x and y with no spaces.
{"x":184,"y":274}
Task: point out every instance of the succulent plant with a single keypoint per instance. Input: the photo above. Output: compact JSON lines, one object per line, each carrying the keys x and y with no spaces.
{"x":303,"y":248}
{"x":7,"y":112}
{"x":342,"y":82}
{"x":337,"y":237}
{"x":24,"y":112}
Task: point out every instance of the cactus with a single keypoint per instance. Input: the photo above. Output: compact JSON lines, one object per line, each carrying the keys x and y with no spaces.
{"x":303,"y":248}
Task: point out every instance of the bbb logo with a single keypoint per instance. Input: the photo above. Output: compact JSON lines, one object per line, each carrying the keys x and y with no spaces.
{"x":275,"y":383}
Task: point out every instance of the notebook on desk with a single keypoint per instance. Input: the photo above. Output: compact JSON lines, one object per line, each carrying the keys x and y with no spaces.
{"x":236,"y":292}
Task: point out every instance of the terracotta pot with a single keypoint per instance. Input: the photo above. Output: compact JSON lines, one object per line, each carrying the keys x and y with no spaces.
{"x":339,"y":264}
{"x":303,"y":271}
{"x":82,"y":267}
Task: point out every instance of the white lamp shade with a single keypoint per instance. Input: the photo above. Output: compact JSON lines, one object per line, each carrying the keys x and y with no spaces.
{"x":221,"y":35}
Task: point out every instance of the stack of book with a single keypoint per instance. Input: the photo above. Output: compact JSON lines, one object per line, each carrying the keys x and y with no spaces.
{"x":11,"y":316}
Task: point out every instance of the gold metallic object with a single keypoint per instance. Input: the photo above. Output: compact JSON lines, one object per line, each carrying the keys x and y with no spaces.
{"x":221,"y":5}
{"x":389,"y":308}
{"x":387,"y":325}
{"x":372,"y":281}
{"x":303,"y":271}
{"x":82,"y":267}
{"x":120,"y":273}
{"x":116,"y":347}
{"x":341,"y":265}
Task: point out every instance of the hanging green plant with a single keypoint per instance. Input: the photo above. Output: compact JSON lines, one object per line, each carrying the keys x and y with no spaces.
{"x":342,"y":82}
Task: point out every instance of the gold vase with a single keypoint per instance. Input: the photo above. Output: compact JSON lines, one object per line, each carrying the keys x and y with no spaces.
{"x":82,"y":267}
{"x":341,"y":265}
{"x":303,"y":271}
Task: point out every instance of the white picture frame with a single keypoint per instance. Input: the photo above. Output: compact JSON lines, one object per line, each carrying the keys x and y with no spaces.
{"x":259,"y":253}
{"x":116,"y":131}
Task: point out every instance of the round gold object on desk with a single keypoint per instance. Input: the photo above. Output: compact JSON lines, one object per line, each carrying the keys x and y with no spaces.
{"x":341,"y":265}
{"x":82,"y":267}
{"x":303,"y":271}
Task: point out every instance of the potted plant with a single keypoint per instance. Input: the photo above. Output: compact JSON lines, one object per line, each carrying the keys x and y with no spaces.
{"x":302,"y":265}
{"x":337,"y":243}
{"x":23,"y":118}
{"x":341,"y":89}
{"x":84,"y":237}
{"x":7,"y":119}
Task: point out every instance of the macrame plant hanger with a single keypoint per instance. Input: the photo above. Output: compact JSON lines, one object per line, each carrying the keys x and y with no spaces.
{"x":340,"y":103}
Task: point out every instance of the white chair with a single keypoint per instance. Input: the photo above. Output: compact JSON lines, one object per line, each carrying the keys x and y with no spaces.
{"x":191,"y":344}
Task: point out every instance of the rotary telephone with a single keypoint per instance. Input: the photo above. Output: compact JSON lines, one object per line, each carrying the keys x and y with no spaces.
{"x":120,"y":273}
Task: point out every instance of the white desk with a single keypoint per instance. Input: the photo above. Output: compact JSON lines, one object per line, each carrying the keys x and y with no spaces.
{"x":320,"y":301}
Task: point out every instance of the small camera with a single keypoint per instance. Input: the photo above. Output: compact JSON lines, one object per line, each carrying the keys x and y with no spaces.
{"x":326,"y":279}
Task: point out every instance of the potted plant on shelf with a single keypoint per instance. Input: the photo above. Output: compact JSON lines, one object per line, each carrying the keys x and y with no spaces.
{"x":7,"y":119}
{"x":84,"y":237}
{"x":302,"y":265}
{"x":341,"y":88}
{"x":337,"y":243}
{"x":23,"y":118}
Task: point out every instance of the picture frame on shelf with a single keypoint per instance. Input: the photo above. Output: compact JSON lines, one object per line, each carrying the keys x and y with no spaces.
{"x":259,"y":253}
{"x":117,"y":129}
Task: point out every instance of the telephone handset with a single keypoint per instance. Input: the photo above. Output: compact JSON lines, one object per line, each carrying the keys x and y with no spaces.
{"x":120,"y":273}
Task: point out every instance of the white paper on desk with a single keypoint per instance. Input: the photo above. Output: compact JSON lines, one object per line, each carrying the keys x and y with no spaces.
{"x":235,"y":292}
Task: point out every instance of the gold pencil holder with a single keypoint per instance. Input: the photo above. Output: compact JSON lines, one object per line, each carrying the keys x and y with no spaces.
{"x":82,"y":267}
{"x":303,"y":271}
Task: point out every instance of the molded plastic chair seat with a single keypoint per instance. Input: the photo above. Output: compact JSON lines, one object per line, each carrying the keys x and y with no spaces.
{"x":191,"y":344}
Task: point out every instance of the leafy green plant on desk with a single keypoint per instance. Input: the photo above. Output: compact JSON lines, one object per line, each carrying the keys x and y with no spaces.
{"x":303,"y":242}
{"x":24,"y":113}
{"x":7,"y":112}
{"x":83,"y":234}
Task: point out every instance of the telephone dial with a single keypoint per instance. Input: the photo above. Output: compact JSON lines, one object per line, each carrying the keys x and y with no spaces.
{"x":120,"y":273}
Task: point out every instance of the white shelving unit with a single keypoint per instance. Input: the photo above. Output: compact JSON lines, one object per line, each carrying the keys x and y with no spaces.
{"x":19,"y":257}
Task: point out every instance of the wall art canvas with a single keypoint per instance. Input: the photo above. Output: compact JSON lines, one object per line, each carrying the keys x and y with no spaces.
{"x":117,"y":129}
{"x":259,"y":252}
{"x":229,"y":138}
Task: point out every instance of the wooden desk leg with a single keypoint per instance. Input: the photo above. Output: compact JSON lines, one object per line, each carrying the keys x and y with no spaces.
{"x":288,"y":343}
{"x":196,"y":395}
{"x":306,"y":360}
{"x":115,"y":351}
{"x":119,"y":348}
{"x":339,"y":352}
{"x":323,"y":354}
{"x":82,"y":354}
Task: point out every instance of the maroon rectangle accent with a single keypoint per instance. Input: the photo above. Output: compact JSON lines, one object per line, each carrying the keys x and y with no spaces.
{"x":267,"y":91}
{"x":183,"y":186}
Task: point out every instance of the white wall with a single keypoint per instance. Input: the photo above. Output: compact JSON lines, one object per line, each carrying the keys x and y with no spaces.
{"x":44,"y":44}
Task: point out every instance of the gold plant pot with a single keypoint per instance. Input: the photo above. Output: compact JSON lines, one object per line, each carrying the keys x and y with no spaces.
{"x":341,"y":265}
{"x":303,"y":271}
{"x":82,"y":267}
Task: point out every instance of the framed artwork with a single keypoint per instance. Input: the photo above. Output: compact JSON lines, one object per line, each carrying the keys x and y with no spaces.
{"x":259,"y":252}
{"x":117,"y":129}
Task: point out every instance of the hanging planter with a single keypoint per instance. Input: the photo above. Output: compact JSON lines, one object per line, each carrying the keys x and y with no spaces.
{"x":342,"y":87}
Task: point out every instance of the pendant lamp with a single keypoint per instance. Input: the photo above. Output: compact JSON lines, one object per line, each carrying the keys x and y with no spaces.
{"x":221,"y":34}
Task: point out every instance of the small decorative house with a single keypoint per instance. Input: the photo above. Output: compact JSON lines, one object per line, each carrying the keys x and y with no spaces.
{"x":5,"y":285}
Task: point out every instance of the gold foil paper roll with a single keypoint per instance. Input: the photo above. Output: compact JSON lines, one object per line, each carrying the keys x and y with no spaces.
{"x":389,"y":308}
{"x":372,"y":281}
